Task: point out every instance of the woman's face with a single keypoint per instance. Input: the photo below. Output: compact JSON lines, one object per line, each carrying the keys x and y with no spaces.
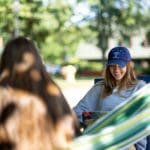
{"x":117,"y":72}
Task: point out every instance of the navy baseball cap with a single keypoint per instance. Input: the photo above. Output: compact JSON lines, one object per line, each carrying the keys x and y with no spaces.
{"x":119,"y":55}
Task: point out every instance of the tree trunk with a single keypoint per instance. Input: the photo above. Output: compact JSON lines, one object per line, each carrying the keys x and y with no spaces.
{"x":103,"y":44}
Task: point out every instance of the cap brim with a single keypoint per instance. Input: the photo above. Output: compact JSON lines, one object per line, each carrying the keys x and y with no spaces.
{"x":121,"y":63}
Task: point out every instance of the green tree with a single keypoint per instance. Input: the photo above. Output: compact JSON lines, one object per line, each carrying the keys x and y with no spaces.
{"x":115,"y":17}
{"x":49,"y":25}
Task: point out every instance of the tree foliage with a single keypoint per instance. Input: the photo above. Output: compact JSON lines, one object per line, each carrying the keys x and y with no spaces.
{"x":117,"y":18}
{"x":49,"y":25}
{"x":52,"y":27}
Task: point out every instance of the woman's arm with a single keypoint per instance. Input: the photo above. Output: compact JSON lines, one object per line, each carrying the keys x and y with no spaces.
{"x":141,"y":145}
{"x":88,"y":102}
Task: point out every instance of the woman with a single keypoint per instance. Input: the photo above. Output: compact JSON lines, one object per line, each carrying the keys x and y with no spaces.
{"x":33,"y":110}
{"x":119,"y":83}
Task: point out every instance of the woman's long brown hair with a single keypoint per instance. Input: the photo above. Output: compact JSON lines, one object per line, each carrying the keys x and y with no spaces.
{"x":109,"y":82}
{"x":22,"y":68}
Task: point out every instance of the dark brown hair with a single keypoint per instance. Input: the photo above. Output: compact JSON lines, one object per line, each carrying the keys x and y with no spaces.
{"x":34,"y":78}
{"x":21,"y":68}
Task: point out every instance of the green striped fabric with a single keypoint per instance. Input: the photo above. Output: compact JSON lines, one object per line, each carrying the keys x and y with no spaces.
{"x":125,"y":125}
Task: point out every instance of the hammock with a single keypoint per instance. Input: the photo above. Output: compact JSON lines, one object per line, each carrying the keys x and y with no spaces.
{"x":124,"y":126}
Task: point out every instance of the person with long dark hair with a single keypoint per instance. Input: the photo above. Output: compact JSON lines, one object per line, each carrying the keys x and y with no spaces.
{"x":34,"y":113}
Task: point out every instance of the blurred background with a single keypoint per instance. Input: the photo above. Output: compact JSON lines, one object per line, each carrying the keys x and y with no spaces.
{"x":75,"y":36}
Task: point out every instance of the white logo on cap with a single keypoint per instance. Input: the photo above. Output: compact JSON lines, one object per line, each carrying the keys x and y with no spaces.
{"x":116,"y":55}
